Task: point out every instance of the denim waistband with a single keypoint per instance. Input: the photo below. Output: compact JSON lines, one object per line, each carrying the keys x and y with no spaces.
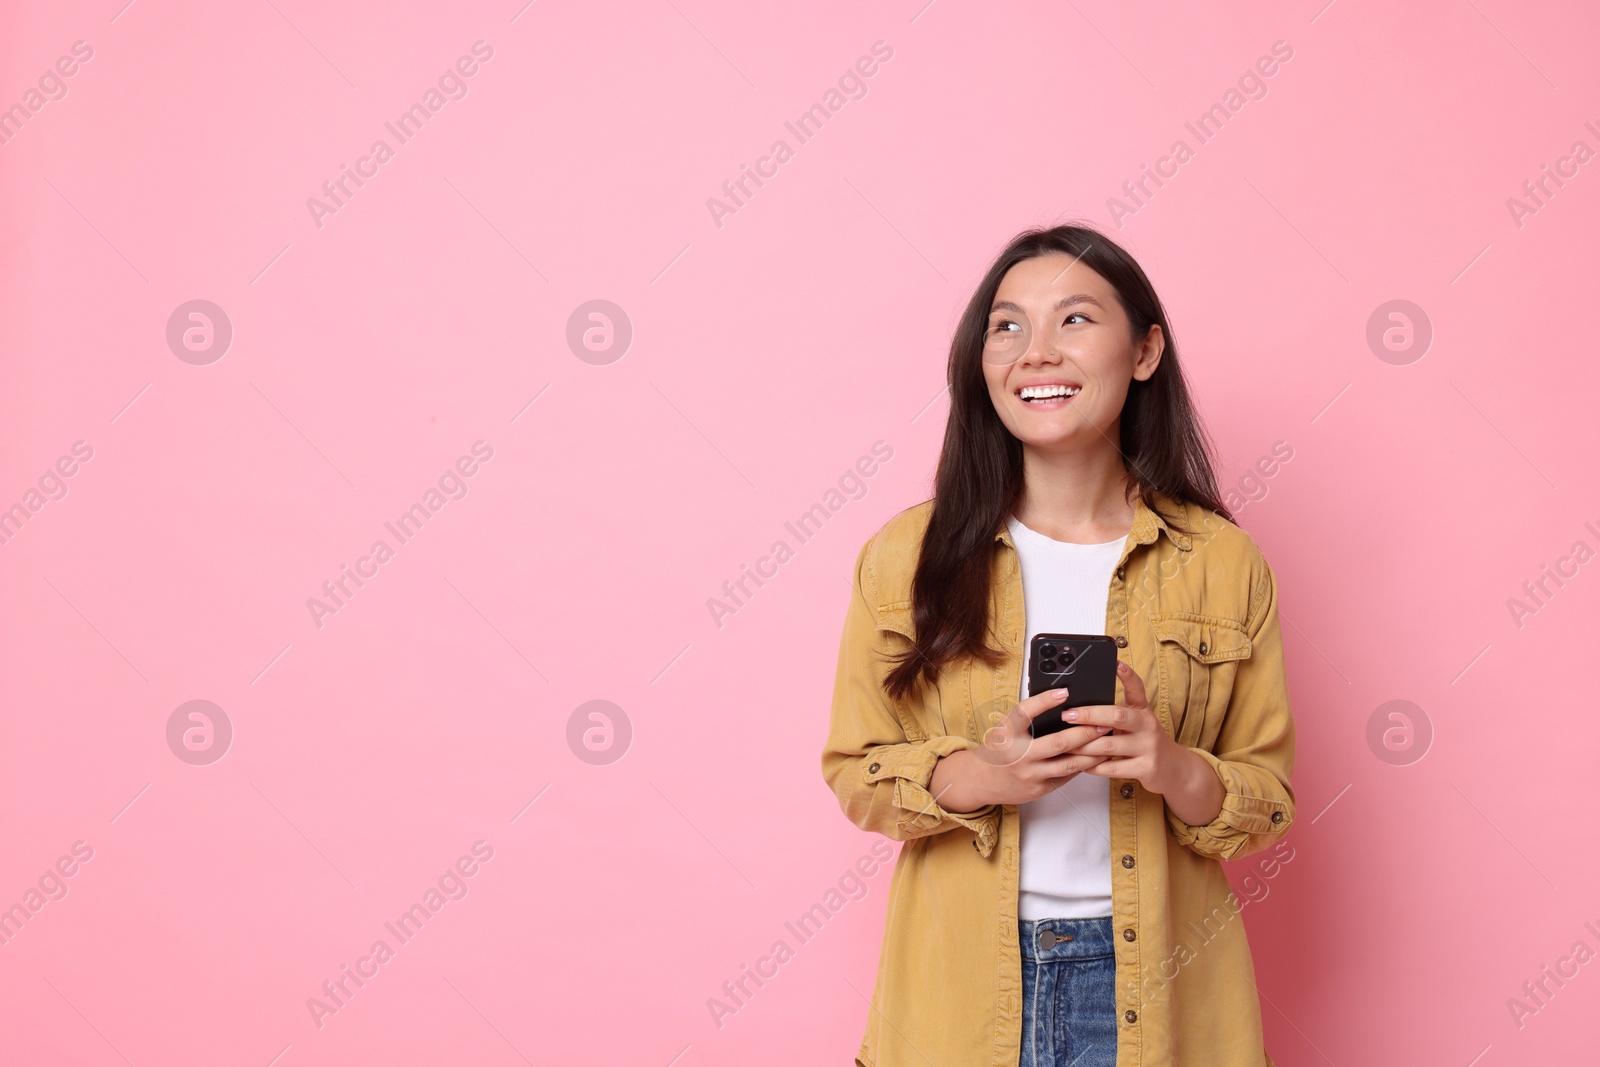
{"x":1044,"y":940}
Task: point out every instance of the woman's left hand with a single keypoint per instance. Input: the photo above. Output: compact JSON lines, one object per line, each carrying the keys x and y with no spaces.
{"x":1142,"y":750}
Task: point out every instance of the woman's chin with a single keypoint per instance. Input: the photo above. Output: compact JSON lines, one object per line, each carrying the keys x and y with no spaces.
{"x":1058,"y":438}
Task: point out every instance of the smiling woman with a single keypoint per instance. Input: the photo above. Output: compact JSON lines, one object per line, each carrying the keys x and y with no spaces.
{"x":1044,"y":882}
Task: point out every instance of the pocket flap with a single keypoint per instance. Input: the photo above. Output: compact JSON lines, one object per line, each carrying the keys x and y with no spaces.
{"x":1207,"y":639}
{"x":897,"y":617}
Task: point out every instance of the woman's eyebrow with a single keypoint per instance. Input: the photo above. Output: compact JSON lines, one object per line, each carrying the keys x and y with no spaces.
{"x":1066,"y":301}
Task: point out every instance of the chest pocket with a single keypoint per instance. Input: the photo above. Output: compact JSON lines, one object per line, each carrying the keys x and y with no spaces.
{"x":943,"y":708}
{"x":1197,"y":660}
{"x":894,"y":622}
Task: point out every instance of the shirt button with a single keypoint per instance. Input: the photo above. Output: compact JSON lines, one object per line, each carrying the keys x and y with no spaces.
{"x":1127,"y":861}
{"x":1202,"y":648}
{"x":1119,"y":573}
{"x":976,"y":845}
{"x":1277,"y":816}
{"x":1131,"y":1015}
{"x":1127,"y":791}
{"x":1122,"y":642}
{"x":872,"y":768}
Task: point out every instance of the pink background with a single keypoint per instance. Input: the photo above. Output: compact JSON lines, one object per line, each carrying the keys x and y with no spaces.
{"x":768,"y":354}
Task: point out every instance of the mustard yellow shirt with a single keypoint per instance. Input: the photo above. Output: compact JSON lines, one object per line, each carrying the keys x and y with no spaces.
{"x":1196,"y":615}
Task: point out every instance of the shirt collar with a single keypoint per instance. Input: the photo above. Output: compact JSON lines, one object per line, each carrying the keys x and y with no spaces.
{"x":1147,"y":524}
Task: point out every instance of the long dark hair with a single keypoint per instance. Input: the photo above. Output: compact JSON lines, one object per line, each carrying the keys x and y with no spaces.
{"x":1164,"y":449}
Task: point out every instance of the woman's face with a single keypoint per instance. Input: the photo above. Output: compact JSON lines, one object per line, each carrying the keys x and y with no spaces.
{"x":1057,"y":326}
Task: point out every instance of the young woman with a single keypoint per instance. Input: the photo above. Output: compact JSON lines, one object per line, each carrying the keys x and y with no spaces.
{"x":1060,"y":900}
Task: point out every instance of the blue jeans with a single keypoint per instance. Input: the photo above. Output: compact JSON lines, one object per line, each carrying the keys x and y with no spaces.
{"x":1069,"y":993}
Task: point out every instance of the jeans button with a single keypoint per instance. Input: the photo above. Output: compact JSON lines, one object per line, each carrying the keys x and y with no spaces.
{"x":1046,"y":939}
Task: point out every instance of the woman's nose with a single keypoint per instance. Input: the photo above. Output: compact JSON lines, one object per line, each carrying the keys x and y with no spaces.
{"x":1040,"y":350}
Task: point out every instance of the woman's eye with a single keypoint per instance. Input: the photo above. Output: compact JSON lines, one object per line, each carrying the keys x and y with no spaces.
{"x":1075,"y":315}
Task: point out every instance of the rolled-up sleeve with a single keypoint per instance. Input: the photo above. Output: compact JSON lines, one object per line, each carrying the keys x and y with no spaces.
{"x":1254,"y":749}
{"x":879,"y":771}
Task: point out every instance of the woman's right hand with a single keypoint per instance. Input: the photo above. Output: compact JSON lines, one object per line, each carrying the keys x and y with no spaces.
{"x":1012,"y":766}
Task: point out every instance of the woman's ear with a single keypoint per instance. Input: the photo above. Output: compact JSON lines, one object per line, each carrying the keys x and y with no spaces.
{"x":1148,"y":356}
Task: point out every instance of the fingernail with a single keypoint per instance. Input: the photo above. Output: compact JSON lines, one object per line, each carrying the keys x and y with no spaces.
{"x":1103,"y":729}
{"x":1071,"y":715}
{"x":1059,"y":694}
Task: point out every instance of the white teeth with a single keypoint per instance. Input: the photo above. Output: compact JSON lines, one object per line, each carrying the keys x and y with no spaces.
{"x":1039,"y":392}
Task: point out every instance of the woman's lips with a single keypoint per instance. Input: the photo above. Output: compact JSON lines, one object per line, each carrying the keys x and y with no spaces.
{"x":1049,"y":404}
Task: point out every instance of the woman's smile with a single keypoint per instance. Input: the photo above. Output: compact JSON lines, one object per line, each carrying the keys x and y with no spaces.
{"x":1048,"y":394}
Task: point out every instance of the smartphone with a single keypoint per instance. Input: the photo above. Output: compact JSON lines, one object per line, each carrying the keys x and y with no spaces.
{"x":1086,"y":664}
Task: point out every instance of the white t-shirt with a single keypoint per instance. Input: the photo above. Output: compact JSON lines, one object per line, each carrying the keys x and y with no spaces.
{"x":1066,"y":835}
